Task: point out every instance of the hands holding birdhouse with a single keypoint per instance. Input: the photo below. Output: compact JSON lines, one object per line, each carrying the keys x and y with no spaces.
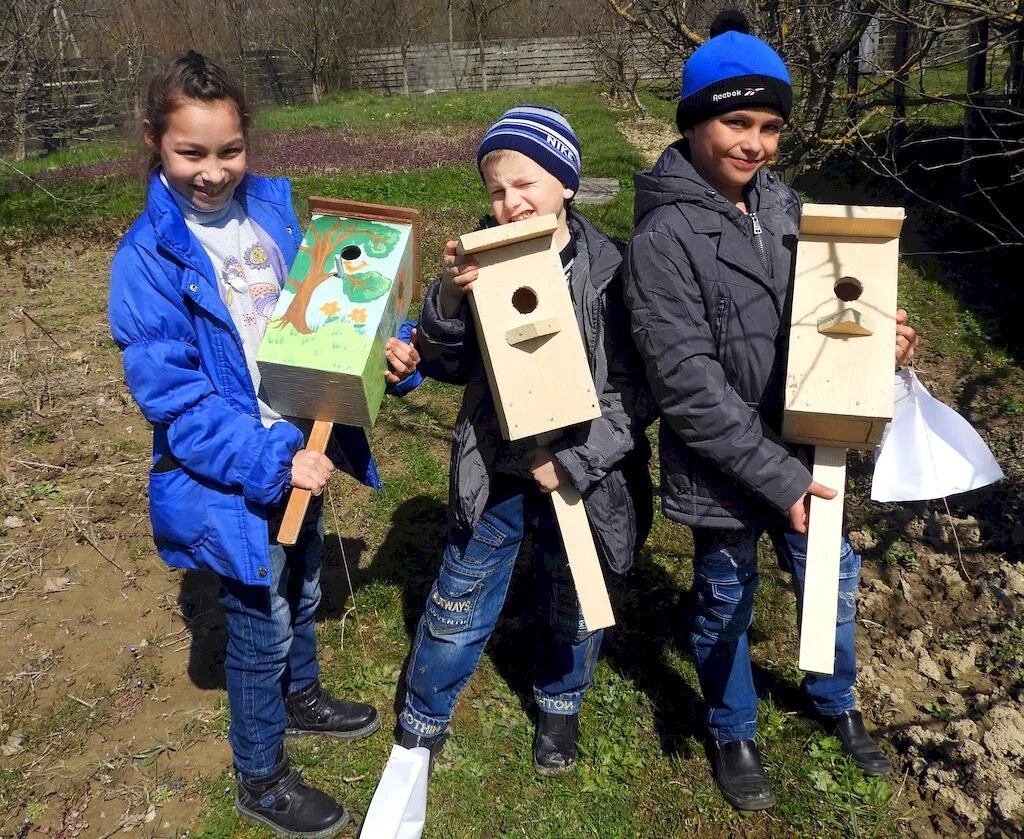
{"x":458,"y":271}
{"x":906,"y":340}
{"x":311,"y":470}
{"x":546,"y":470}
{"x":403,"y":359}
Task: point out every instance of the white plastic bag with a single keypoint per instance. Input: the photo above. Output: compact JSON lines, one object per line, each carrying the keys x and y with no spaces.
{"x":399,"y":806}
{"x":928,"y":450}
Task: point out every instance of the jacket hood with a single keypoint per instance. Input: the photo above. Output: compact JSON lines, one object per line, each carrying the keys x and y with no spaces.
{"x":673,"y":180}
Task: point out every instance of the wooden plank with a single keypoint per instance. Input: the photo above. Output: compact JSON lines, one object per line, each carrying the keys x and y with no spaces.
{"x":851,"y":221}
{"x":298,"y":499}
{"x":578,"y":541}
{"x":821,"y":583}
{"x":507,"y":234}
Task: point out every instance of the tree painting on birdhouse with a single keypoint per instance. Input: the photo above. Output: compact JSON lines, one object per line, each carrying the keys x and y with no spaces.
{"x":338,"y":265}
{"x":346,"y":284}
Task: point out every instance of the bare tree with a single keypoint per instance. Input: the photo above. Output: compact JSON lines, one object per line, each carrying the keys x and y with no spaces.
{"x":865,"y":76}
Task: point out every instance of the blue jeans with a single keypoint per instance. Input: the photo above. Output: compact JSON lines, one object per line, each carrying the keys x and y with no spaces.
{"x":468,"y":596}
{"x":271,"y":647}
{"x":725,"y":579}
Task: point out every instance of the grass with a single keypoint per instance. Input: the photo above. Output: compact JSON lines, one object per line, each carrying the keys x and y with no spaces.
{"x":643,"y":770}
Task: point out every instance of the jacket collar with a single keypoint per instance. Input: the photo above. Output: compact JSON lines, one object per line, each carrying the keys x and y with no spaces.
{"x":169,"y":224}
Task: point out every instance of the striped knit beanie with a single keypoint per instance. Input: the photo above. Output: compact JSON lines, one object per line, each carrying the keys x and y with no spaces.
{"x":730,"y":71}
{"x":543,"y":135}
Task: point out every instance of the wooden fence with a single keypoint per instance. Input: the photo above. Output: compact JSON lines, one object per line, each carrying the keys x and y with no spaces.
{"x":457,"y":66}
{"x":47,"y":103}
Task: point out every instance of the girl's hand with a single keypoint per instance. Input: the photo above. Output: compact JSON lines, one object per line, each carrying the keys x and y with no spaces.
{"x":402,"y":358}
{"x":457,"y":276}
{"x":800,"y":512}
{"x":546,"y":471}
{"x":311,"y":470}
{"x":906,"y":340}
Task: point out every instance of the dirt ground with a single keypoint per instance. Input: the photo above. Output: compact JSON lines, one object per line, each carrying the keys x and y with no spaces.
{"x":112,"y":712}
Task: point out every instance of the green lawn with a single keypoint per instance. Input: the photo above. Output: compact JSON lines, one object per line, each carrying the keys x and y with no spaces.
{"x":643,"y":771}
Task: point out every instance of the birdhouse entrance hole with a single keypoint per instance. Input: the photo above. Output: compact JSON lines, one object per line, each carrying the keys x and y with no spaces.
{"x":848,"y":289}
{"x":351,"y":252}
{"x":524,"y":300}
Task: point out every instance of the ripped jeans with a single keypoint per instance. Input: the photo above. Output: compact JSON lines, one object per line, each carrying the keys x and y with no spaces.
{"x":467,"y":598}
{"x":725,"y":579}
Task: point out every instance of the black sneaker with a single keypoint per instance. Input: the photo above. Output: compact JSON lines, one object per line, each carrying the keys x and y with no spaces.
{"x":555,"y":743}
{"x":282,"y":802}
{"x":856,"y":741}
{"x":740,"y":775}
{"x":313,"y":711}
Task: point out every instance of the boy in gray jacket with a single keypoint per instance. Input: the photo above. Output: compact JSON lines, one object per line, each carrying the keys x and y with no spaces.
{"x":530,"y":163}
{"x":707,"y":278}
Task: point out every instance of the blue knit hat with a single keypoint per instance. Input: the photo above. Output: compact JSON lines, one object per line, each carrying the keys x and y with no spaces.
{"x":730,"y":71}
{"x":543,"y":135}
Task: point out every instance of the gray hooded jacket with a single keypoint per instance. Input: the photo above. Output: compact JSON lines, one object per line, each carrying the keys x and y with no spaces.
{"x":708,"y":300}
{"x":607,"y":458}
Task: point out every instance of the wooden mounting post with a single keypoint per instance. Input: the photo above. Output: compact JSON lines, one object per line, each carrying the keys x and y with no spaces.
{"x":581,"y":552}
{"x":821,"y":581}
{"x":298,"y":500}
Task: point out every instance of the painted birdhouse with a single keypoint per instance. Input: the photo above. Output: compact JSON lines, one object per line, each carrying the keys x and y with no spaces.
{"x":841,"y":347}
{"x":526,"y":325}
{"x":323,"y":356}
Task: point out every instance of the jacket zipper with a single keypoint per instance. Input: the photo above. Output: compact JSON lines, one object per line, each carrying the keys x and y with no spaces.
{"x":758,"y":241}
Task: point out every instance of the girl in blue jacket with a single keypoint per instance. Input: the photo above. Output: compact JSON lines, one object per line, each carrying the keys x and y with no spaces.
{"x":192,"y":285}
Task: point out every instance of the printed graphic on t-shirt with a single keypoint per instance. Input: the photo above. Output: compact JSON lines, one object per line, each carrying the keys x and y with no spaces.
{"x":263,"y":294}
{"x":256,"y":256}
{"x":232,"y":275}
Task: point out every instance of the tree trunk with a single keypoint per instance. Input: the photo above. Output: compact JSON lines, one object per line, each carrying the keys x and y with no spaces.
{"x":974,"y":120}
{"x":483,"y":56}
{"x":898,"y":131}
{"x":405,"y":68}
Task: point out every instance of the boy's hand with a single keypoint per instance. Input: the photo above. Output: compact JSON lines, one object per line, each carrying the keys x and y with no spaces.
{"x":800,"y":513}
{"x":311,"y":470}
{"x":906,"y":340}
{"x":402,"y":359}
{"x":457,"y":276}
{"x":546,"y":471}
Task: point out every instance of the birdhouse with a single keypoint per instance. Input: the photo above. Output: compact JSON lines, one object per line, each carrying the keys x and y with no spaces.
{"x":538,"y":371}
{"x":839,"y":380}
{"x":842,"y":341}
{"x":533,"y":353}
{"x":323,"y":356}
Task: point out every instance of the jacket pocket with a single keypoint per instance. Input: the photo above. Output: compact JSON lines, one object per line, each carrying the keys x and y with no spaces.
{"x":722,"y":307}
{"x":177,"y":512}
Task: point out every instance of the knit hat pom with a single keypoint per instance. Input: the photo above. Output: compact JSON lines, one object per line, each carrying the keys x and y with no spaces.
{"x":729,"y":20}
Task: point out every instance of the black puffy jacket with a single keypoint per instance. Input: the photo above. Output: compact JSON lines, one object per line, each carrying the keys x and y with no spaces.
{"x":607,"y":458}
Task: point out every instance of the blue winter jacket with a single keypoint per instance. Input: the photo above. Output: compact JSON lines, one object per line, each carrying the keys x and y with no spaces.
{"x":185,"y":366}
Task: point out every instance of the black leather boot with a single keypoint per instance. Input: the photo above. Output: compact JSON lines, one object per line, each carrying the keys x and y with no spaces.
{"x":740,"y":775}
{"x":849,"y":729}
{"x":313,"y":711}
{"x":434,"y":744}
{"x":282,"y":802}
{"x":555,"y":743}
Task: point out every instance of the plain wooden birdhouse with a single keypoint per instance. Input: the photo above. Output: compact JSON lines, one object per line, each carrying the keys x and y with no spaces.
{"x":839,"y":380}
{"x":525,"y":321}
{"x":839,"y":383}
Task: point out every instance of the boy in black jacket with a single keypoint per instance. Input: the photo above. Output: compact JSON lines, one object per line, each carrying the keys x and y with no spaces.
{"x":530,"y":163}
{"x":706,"y":278}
